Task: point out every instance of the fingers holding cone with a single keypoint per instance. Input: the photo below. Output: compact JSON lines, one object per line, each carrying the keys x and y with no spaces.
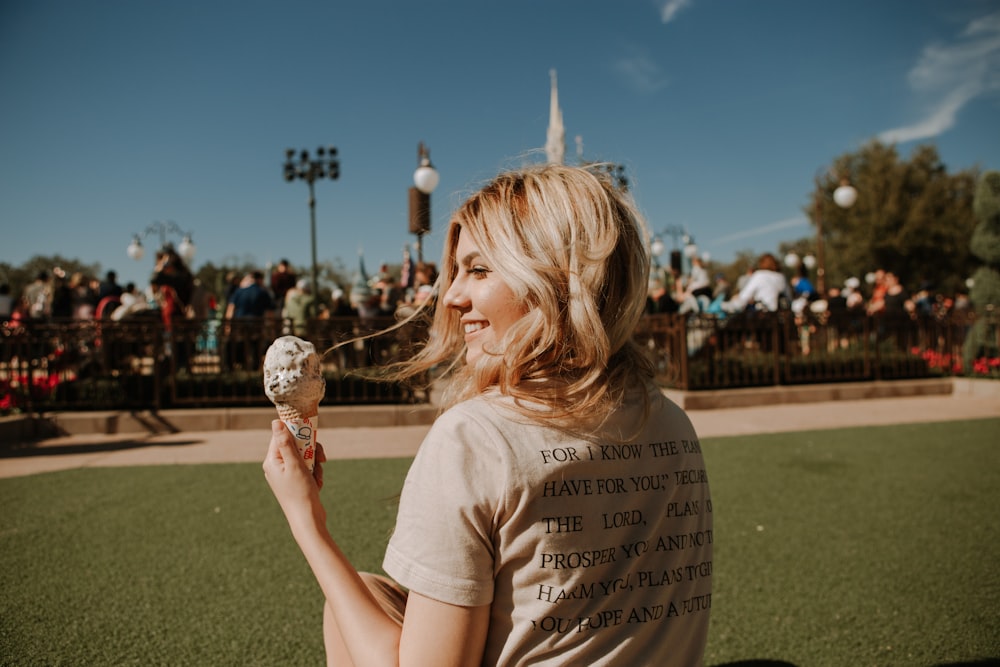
{"x":281,"y":449}
{"x":283,"y":454}
{"x":318,"y":469}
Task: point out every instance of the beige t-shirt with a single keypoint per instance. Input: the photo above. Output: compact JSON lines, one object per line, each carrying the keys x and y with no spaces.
{"x":588,"y":551}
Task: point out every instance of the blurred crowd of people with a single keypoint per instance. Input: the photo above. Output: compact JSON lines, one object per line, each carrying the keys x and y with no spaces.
{"x":175,"y":294}
{"x":55,"y":296}
{"x":765,"y":288}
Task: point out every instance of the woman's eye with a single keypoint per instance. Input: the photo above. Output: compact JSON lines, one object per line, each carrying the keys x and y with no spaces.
{"x":478,"y":271}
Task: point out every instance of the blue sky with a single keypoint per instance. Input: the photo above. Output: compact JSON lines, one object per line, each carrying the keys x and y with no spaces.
{"x":119,"y":113}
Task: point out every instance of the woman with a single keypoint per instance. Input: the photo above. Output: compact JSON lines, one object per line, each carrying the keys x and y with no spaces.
{"x":558,"y":511}
{"x":767,"y":289}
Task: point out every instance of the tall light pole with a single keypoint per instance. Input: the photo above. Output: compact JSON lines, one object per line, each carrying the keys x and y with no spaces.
{"x":844,"y":197}
{"x":425,"y":179}
{"x":185,"y":248}
{"x":324,"y":165}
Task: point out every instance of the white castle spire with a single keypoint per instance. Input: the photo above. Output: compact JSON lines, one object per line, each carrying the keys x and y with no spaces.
{"x":555,"y":139}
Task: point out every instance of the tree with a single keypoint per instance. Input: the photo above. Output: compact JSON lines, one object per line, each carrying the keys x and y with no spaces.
{"x":911,"y":217}
{"x":744,"y":262}
{"x":985,"y":292}
{"x":213,"y":278}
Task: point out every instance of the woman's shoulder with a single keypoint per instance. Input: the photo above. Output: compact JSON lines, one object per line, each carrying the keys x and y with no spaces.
{"x":488,"y":411}
{"x":665,"y":413}
{"x":475,"y":433}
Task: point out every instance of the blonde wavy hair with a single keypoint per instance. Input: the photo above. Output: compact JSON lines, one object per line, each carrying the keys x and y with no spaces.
{"x":573,"y":249}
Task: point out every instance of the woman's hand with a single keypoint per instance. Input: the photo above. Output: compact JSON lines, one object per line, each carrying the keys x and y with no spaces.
{"x":296,"y":490}
{"x":318,"y":469}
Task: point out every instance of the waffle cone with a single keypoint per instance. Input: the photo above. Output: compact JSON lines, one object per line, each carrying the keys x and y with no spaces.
{"x":298,"y":412}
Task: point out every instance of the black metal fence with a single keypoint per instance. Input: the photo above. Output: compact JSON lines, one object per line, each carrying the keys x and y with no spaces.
{"x":138,"y":364}
{"x":765,"y":349}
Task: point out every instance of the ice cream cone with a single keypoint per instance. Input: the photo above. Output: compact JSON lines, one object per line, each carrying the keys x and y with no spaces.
{"x":293,"y":380}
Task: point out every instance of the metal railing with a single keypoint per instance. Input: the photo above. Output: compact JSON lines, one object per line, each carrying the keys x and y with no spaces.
{"x":698,"y":352}
{"x":138,"y":364}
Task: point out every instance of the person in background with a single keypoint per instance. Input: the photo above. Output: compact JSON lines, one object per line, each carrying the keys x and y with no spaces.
{"x":172,"y":315}
{"x":557,"y":463}
{"x":37,"y":297}
{"x":836,"y":302}
{"x":282,"y":280}
{"x":298,"y":309}
{"x":896,"y":300}
{"x":109,"y":287}
{"x":132,"y":302}
{"x":802,"y":287}
{"x":767,"y":288}
{"x":6,"y":303}
{"x":62,"y":296}
{"x":425,"y":278}
{"x":803,"y":292}
{"x":171,"y":268}
{"x":665,"y":294}
{"x":109,"y":294}
{"x":169,"y":304}
{"x":84,"y":299}
{"x":698,"y":291}
{"x":720,"y":294}
{"x":855,"y":299}
{"x":251,"y":302}
{"x":876,"y":303}
{"x":251,"y":299}
{"x":233,"y":280}
{"x":341,"y":306}
{"x":390,"y":296}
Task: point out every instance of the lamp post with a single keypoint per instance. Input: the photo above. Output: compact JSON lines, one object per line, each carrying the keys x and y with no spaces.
{"x":425,"y":179}
{"x":185,"y":248}
{"x":309,"y":169}
{"x":690,"y":251}
{"x":676,"y":232}
{"x":844,"y":197}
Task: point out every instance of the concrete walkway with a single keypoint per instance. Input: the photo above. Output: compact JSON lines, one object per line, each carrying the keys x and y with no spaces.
{"x":398,"y":433}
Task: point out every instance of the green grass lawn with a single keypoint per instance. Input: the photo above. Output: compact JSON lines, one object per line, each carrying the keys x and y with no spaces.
{"x":873,"y":546}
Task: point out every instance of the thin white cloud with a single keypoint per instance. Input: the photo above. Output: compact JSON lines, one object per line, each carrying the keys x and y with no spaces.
{"x":790,"y":223}
{"x":641,"y":73}
{"x":670,"y":9}
{"x":951,"y":75}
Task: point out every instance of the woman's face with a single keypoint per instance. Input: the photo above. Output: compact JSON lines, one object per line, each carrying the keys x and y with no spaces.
{"x":487,"y":305}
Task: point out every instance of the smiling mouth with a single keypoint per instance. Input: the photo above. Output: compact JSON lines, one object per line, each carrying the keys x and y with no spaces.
{"x":473,"y":327}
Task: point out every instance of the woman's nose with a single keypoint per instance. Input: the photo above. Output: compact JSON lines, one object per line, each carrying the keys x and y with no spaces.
{"x":455,"y":296}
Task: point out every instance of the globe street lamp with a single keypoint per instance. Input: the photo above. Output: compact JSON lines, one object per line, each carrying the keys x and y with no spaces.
{"x":425,"y":179}
{"x":185,"y":248}
{"x":657,"y":247}
{"x":305,"y":168}
{"x":793,"y":261}
{"x":844,"y":196}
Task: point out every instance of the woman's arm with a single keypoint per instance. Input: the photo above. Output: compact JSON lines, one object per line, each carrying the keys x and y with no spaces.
{"x":436,"y":633}
{"x":433,"y":633}
{"x":745,"y":296}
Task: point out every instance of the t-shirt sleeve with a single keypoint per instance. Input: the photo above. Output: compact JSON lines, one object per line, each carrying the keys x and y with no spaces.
{"x":443,"y":543}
